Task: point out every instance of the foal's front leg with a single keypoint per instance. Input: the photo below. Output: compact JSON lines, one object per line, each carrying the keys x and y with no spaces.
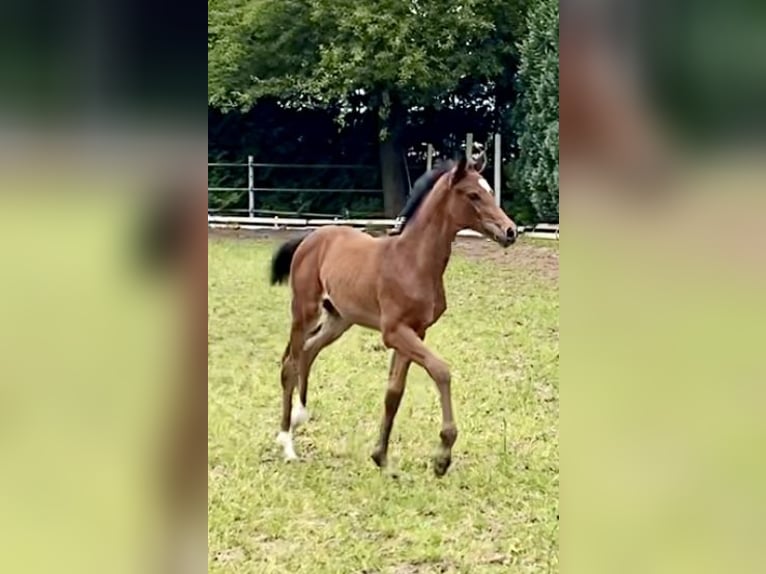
{"x":407,"y":343}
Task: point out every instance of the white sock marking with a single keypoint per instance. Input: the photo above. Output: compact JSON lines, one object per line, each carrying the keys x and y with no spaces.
{"x":299,"y":415}
{"x":285,"y":439}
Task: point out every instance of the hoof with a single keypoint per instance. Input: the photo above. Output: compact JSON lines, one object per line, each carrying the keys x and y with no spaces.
{"x":379,"y":457}
{"x":285,"y":440}
{"x":441,"y":464}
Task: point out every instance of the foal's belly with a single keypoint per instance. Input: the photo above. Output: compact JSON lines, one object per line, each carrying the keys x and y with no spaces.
{"x":354,"y":302}
{"x":362,"y":319}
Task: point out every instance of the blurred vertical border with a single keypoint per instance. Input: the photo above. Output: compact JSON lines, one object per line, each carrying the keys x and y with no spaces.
{"x":103,"y":402}
{"x":662,"y":280}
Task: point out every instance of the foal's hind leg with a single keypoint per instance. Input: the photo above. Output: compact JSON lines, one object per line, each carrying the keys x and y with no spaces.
{"x":331,"y":327}
{"x":304,"y":313}
{"x":289,"y":377}
{"x":296,"y":364}
{"x":397,"y":378}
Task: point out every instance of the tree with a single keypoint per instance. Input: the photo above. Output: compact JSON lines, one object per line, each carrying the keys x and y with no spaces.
{"x":383,"y":55}
{"x":536,"y":114}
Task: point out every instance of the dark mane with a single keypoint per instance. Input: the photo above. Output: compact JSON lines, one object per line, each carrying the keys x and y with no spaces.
{"x":424,"y":184}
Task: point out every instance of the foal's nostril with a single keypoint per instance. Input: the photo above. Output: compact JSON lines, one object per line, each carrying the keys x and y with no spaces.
{"x":511,"y":234}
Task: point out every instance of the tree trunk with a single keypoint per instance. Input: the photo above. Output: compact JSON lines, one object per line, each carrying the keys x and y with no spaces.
{"x":393,"y":176}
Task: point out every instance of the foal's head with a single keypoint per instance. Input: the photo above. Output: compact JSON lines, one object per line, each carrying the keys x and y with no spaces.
{"x":470,"y":203}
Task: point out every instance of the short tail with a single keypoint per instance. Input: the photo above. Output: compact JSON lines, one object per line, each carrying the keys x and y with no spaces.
{"x":282,"y":259}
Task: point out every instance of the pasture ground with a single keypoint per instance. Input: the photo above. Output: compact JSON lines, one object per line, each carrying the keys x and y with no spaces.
{"x":496,"y":510}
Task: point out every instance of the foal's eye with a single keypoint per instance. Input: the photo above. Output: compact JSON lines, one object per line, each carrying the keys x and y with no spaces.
{"x":473,"y":196}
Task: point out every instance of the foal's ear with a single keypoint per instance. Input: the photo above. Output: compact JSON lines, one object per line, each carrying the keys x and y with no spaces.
{"x":480,"y":162}
{"x":460,"y":170}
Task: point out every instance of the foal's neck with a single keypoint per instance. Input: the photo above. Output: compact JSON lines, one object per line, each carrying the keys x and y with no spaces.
{"x":430,"y":235}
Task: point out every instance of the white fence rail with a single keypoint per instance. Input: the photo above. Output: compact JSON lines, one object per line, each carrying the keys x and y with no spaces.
{"x":541,"y":231}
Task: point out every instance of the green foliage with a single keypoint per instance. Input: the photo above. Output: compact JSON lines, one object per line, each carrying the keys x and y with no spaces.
{"x":517,"y":204}
{"x":407,"y":72}
{"x":381,"y":55}
{"x":536,"y":115}
{"x":320,"y":51}
{"x":418,"y":50}
{"x":259,"y":48}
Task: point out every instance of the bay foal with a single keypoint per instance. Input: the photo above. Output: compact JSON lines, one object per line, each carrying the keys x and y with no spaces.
{"x":342,"y":277}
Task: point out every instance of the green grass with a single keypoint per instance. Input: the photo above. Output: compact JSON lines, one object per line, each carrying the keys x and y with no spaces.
{"x":496,"y":510}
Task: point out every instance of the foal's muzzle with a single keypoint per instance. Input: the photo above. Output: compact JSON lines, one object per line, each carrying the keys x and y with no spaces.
{"x":503,"y":237}
{"x":510,"y":236}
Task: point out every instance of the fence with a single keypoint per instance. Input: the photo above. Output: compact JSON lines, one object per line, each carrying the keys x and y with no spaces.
{"x":253,"y":217}
{"x":252,"y":189}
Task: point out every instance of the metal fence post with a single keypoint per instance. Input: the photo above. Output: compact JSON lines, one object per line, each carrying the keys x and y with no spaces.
{"x":250,"y":186}
{"x":498,"y":168}
{"x":469,"y":145}
{"x":430,"y":157}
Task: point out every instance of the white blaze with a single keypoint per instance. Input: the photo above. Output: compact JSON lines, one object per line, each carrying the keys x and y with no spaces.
{"x":485,"y":185}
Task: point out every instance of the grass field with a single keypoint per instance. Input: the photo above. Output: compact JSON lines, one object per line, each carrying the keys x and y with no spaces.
{"x":496,"y":510}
